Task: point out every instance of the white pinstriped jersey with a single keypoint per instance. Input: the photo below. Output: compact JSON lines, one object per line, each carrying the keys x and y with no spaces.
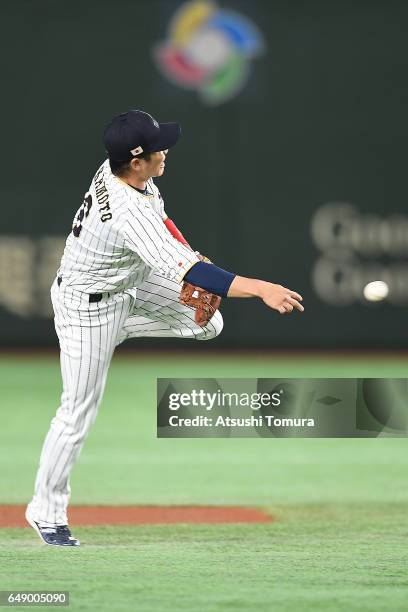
{"x":119,"y":238}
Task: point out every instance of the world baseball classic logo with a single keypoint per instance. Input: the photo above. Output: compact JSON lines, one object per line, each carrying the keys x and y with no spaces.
{"x":209,"y":50}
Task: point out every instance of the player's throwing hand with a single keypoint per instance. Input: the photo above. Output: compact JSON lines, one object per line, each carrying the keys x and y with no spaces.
{"x":281,"y":298}
{"x":277,"y":297}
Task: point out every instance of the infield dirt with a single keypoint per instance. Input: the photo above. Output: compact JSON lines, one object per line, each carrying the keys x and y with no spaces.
{"x":13,"y":516}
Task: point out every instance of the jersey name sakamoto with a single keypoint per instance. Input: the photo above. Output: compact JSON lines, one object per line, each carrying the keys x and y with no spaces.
{"x":118,"y":238}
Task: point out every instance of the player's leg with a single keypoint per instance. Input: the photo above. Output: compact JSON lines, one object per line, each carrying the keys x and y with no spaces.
{"x":87,"y":335}
{"x":157,"y":312}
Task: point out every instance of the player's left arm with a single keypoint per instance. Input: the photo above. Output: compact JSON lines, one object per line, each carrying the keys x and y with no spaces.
{"x":176,"y":233}
{"x":226,"y":284}
{"x":169,"y":223}
{"x":220,"y":282}
{"x":144,"y":232}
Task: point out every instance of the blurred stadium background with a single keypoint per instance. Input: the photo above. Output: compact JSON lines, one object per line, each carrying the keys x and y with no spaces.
{"x":291,"y":167}
{"x":292,"y":170}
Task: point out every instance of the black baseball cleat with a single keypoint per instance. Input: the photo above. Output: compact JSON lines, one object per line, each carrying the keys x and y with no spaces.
{"x":59,"y":535}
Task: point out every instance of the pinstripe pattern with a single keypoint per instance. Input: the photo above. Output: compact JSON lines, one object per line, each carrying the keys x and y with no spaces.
{"x":118,"y":247}
{"x":158,"y":313}
{"x":134,"y":258}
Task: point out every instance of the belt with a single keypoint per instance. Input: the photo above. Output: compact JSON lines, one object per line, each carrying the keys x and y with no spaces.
{"x":93,"y":297}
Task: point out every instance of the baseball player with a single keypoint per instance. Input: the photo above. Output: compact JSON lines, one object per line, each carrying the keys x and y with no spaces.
{"x":125,"y":266}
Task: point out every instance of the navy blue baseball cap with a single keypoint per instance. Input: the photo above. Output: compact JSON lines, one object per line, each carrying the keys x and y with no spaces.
{"x":135,"y":132}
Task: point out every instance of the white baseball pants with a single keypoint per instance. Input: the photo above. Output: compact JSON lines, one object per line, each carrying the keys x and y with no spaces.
{"x":88,"y":333}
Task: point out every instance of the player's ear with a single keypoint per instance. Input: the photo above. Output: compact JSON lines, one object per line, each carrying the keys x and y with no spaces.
{"x":135,"y":163}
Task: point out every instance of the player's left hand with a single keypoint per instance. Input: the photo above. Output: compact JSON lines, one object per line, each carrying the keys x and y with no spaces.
{"x":281,"y":298}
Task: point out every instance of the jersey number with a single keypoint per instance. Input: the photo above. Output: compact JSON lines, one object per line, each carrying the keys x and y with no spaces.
{"x":83,"y":212}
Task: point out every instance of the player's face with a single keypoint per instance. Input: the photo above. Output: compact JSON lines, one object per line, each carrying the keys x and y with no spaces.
{"x":156,"y":163}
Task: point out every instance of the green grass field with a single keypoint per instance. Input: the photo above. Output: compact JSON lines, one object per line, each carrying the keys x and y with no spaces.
{"x":339,"y":541}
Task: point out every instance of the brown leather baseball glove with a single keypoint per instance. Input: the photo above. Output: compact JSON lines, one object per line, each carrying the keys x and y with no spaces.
{"x":204,"y":303}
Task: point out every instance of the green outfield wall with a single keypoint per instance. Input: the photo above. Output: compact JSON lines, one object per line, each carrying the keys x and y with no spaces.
{"x":295,"y":173}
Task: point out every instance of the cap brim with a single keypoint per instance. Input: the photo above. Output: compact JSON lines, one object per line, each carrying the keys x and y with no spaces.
{"x":169,"y":135}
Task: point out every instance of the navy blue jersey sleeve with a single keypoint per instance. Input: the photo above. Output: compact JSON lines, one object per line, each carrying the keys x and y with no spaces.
{"x":210,"y":277}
